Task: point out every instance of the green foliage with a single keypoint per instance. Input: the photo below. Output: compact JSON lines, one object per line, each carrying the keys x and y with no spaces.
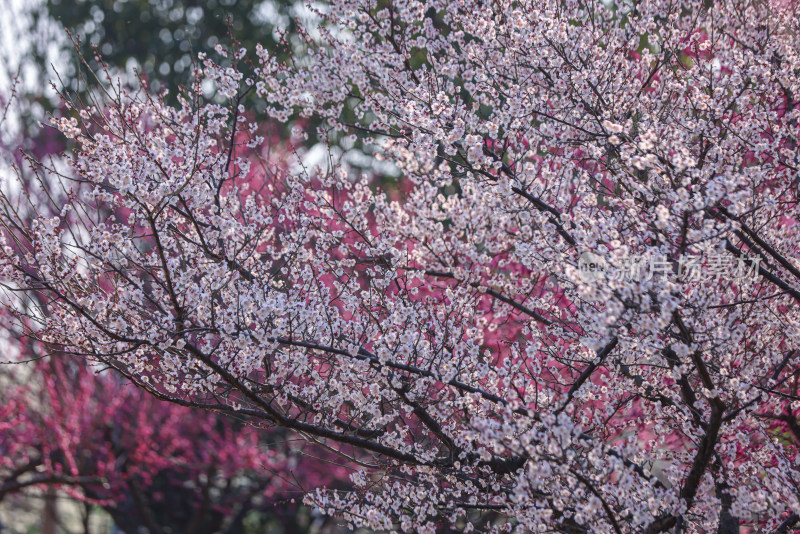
{"x":161,"y":38}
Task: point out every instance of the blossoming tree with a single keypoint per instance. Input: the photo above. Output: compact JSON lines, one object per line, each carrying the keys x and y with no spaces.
{"x":67,"y":424}
{"x":448,"y":341}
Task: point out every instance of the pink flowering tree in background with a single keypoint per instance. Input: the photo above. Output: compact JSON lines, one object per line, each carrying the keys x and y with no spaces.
{"x":579,"y":315}
{"x":149,"y":464}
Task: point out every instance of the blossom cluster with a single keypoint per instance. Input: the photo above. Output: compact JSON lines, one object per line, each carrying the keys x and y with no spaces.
{"x":440,"y":335}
